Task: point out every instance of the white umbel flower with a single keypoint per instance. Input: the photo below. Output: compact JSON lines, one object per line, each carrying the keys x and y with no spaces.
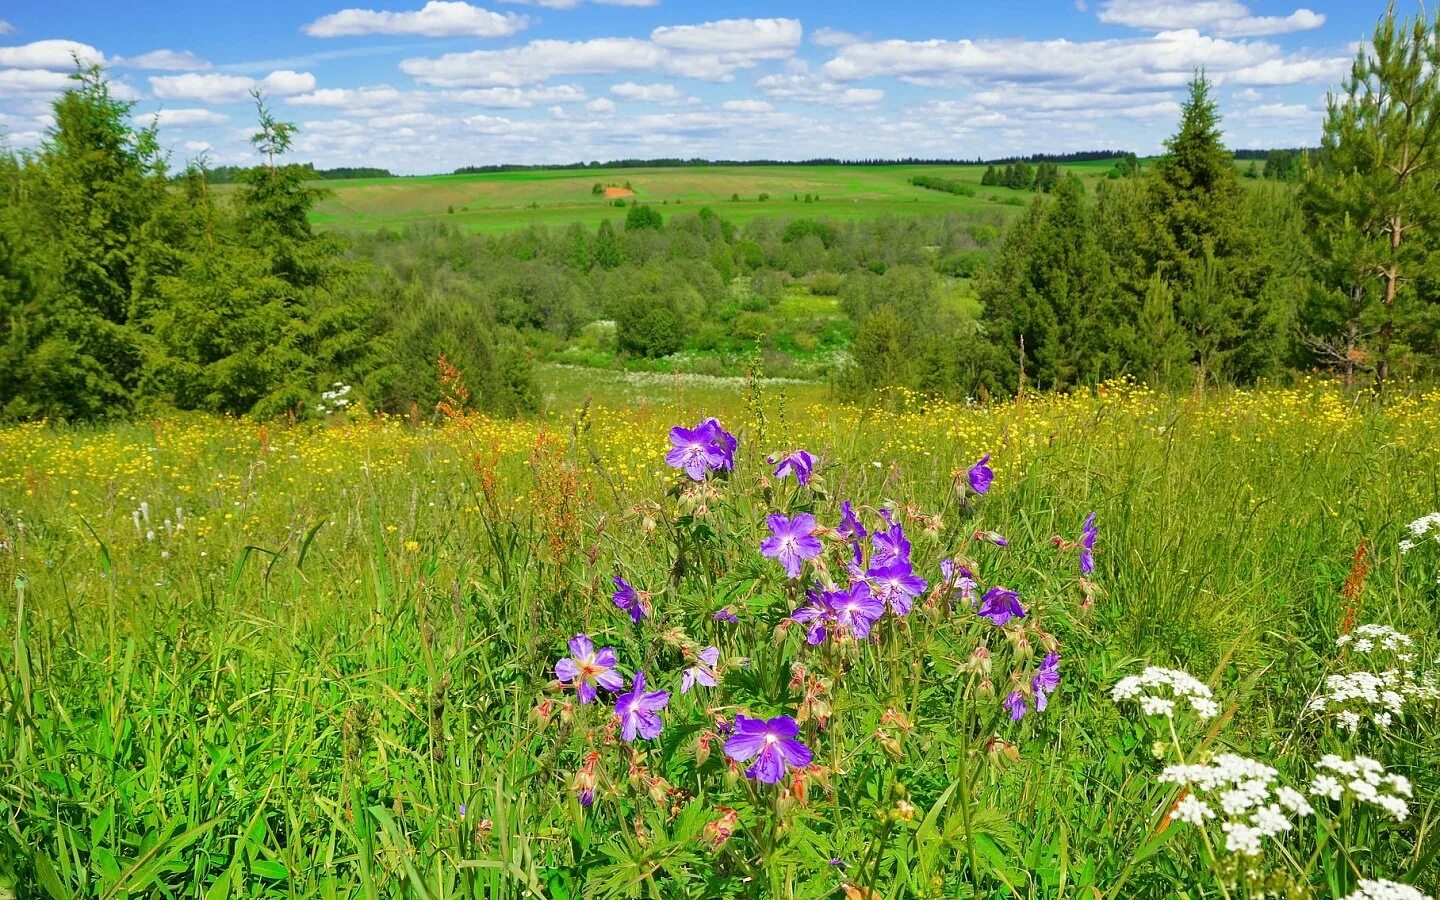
{"x":1253,"y":807}
{"x":1366,"y":780}
{"x":1386,"y":890}
{"x":1158,"y":691}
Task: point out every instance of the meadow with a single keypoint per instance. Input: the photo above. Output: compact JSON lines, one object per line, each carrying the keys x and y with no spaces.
{"x":339,"y":658}
{"x":507,"y":201}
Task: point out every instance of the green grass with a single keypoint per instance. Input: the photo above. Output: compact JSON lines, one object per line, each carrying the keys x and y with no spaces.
{"x":319,"y":663}
{"x":508,"y":200}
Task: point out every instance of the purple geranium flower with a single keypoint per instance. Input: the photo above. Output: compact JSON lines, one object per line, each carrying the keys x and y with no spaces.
{"x":1017,"y":706}
{"x":850,"y":529}
{"x":703,"y":672}
{"x":800,"y":462}
{"x":896,"y":583}
{"x":815,"y":615}
{"x":702,"y":448}
{"x":639,"y":710}
{"x":959,"y":578}
{"x":856,"y":609}
{"x":772,"y":744}
{"x":726,"y":615}
{"x":980,"y":475}
{"x":992,"y":537}
{"x":630,"y":600}
{"x":723,"y":441}
{"x":1000,"y":605}
{"x":890,"y":546}
{"x":587,"y":668}
{"x":791,"y":541}
{"x":1088,"y":533}
{"x":1046,"y":680}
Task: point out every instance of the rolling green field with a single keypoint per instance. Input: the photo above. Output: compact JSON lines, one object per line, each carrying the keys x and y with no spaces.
{"x":503,"y":201}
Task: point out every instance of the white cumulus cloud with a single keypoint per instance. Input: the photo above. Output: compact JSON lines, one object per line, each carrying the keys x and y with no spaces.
{"x":746,"y":106}
{"x":648,"y":93}
{"x":710,"y":51}
{"x":1164,"y":60}
{"x":214,"y":87}
{"x":182,"y":117}
{"x":518,"y":98}
{"x":166,"y":61}
{"x":1228,"y":18}
{"x":58,"y":55}
{"x":438,"y":18}
{"x":19,"y":82}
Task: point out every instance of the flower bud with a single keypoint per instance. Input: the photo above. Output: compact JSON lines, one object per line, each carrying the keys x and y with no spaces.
{"x":888,"y":743}
{"x":987,"y":689}
{"x":1023,"y":650}
{"x":904,"y":810}
{"x":978,"y":663}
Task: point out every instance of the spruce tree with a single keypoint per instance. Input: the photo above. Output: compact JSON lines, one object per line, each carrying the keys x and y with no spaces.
{"x":1200,"y":238}
{"x":96,"y":182}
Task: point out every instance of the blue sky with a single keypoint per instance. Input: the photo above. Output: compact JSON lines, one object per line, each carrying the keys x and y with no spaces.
{"x":426,"y":87}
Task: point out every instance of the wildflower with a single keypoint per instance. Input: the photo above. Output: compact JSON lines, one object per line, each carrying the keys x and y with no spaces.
{"x":588,"y":668}
{"x":1016,"y":704}
{"x":958,"y":577}
{"x":1179,"y":685}
{"x":725,"y":615}
{"x":890,"y":545}
{"x":1366,"y":638}
{"x":897,"y":584}
{"x":1366,"y":780}
{"x":702,"y":448}
{"x":992,"y":537}
{"x":791,"y":541}
{"x":771,"y":743}
{"x":1369,"y":889}
{"x":798,"y":462}
{"x":1000,"y":605}
{"x":636,"y":603}
{"x":1252,"y":806}
{"x":703,"y":672}
{"x":1046,"y":680}
{"x":857,"y":609}
{"x":980,"y":475}
{"x":1419,"y":528}
{"x":1356,"y":696}
{"x":1191,"y":810}
{"x":1088,"y":533}
{"x":639,"y":710}
{"x":850,"y":528}
{"x":816,"y":614}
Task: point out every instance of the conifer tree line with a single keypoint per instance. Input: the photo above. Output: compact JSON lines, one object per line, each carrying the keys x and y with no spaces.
{"x":123,"y":290}
{"x":1185,"y":273}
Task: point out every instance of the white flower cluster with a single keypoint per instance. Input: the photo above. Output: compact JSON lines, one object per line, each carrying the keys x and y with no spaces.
{"x":1419,"y":529}
{"x":1366,"y":780}
{"x":1252,"y":806}
{"x":334,"y":400}
{"x":1367,"y":638}
{"x":1178,"y":685}
{"x":1386,"y":890}
{"x":1356,"y":696}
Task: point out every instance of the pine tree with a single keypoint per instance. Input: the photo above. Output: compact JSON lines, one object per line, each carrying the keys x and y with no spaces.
{"x":1373,"y":204}
{"x":990,"y":178}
